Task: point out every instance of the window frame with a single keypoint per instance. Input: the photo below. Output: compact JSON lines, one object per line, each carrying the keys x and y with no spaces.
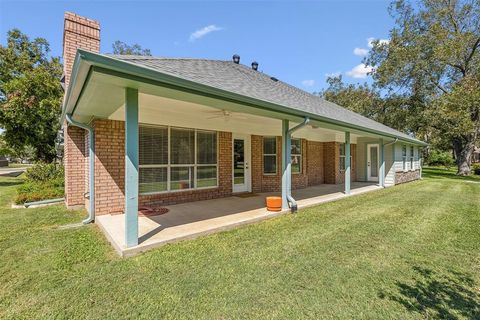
{"x":344,"y":157}
{"x":412,"y":159}
{"x":404,"y":157}
{"x":297,"y":155}
{"x":169,"y":165}
{"x":270,"y":155}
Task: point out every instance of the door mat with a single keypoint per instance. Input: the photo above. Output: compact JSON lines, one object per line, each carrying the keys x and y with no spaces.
{"x":152,"y":211}
{"x":246,"y":195}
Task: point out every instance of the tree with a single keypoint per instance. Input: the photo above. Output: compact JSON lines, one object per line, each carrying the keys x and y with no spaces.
{"x":433,"y":58}
{"x":30,"y":95}
{"x":122,"y":48}
{"x":368,"y":101}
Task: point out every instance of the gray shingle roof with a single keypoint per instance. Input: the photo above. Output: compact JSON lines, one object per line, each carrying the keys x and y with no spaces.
{"x":240,"y":79}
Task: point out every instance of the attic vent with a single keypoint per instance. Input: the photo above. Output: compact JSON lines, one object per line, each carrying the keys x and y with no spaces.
{"x":274,"y":79}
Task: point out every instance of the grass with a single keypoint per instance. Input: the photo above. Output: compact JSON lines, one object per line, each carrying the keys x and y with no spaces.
{"x":408,"y":252}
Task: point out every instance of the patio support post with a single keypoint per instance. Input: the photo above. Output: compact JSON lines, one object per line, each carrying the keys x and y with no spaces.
{"x":347,"y":162}
{"x":131,"y":167}
{"x":285,"y":163}
{"x":381,"y":178}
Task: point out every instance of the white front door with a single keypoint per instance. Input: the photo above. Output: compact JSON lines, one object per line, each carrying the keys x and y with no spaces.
{"x":373,"y":162}
{"x":241,"y":163}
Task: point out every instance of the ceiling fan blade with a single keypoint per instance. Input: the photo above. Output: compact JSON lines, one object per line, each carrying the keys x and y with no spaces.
{"x":216,"y":117}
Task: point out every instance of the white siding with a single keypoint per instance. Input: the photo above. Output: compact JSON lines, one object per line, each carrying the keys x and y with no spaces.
{"x":389,"y":166}
{"x":399,"y":158}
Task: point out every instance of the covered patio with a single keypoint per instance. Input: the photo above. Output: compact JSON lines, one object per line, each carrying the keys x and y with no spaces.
{"x":180,"y":137}
{"x":194,"y":219}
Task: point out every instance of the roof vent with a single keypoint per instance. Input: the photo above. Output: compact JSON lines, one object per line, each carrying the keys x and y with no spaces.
{"x":236,"y":58}
{"x":274,"y":79}
{"x":255,"y":65}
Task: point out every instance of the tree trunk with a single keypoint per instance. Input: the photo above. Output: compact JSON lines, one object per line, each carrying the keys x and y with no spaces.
{"x":463,"y":148}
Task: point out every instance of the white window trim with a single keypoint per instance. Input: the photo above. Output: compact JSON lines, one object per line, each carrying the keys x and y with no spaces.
{"x":404,"y":159}
{"x":269,"y":154}
{"x":169,"y":165}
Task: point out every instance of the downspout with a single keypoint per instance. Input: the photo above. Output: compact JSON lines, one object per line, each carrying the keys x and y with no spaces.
{"x":391,"y":142}
{"x":91,"y":166}
{"x":291,"y":200}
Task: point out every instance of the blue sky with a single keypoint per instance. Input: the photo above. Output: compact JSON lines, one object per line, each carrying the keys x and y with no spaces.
{"x":297,"y":42}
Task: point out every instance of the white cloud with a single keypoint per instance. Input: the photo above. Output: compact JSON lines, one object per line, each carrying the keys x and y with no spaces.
{"x":359,"y":72}
{"x":200,"y":33}
{"x":360,"y":52}
{"x":333,"y":74}
{"x":308,"y":83}
{"x":380,"y":41}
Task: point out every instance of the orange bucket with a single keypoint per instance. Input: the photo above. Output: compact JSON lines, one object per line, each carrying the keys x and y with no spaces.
{"x":274,"y":203}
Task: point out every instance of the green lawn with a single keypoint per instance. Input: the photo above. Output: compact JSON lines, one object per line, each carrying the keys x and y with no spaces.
{"x":412,"y":251}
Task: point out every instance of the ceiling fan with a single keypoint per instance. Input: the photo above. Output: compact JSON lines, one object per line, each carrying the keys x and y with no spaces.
{"x":226,"y":115}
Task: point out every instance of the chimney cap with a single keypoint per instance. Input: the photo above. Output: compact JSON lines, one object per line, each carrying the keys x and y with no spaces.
{"x":236,"y":58}
{"x":255,"y":65}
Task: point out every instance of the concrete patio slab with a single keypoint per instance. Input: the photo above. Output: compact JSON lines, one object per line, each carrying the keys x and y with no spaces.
{"x":194,"y":219}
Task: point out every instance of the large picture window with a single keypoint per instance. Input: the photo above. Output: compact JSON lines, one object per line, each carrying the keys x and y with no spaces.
{"x":296,"y":156}
{"x":176,"y":159}
{"x":269,"y":155}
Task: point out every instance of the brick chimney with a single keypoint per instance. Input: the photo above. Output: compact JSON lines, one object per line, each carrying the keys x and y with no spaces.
{"x":78,"y":33}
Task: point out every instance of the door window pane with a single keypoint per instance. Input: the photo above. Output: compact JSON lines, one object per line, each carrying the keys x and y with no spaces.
{"x":181,"y":178}
{"x":152,"y":180}
{"x":206,"y":176}
{"x":182,"y":146}
{"x":206,"y":147}
{"x":239,"y":161}
{"x":373,"y":162}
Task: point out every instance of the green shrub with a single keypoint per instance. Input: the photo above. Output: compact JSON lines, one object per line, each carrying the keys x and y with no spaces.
{"x":476,"y":168}
{"x":45,"y":172}
{"x":43,"y":181}
{"x":440,"y":158}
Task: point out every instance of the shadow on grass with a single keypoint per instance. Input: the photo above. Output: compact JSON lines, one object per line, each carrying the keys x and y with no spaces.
{"x":442,"y":173}
{"x":438,"y":296}
{"x":9,"y":183}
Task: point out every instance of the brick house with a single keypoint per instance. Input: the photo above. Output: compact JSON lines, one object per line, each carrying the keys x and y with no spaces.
{"x":146,"y":131}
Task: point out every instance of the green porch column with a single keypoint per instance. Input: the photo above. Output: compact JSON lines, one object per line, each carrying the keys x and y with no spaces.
{"x":285,"y":163}
{"x":347,"y":163}
{"x":131,"y":167}
{"x":381,"y":177}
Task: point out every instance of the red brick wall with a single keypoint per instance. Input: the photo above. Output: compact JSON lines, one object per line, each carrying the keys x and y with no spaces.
{"x":74,"y":160}
{"x":315,"y":163}
{"x":109,"y":166}
{"x":333,"y":175}
{"x":79,"y":32}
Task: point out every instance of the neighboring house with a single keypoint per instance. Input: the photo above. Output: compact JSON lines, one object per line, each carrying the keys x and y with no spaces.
{"x":166,"y":131}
